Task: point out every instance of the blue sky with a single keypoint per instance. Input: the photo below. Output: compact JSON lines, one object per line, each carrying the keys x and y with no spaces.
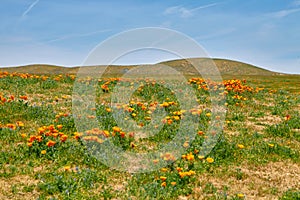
{"x":264,"y":33}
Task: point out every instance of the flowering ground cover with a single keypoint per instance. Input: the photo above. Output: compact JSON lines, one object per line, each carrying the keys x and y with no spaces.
{"x":44,"y":156}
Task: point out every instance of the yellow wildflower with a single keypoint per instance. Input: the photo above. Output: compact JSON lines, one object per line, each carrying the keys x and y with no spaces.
{"x":210,"y":160}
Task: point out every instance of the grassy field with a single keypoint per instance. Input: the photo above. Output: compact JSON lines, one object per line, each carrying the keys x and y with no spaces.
{"x":257,"y":156}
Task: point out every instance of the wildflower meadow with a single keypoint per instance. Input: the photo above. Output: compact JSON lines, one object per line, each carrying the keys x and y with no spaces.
{"x":256,"y":151}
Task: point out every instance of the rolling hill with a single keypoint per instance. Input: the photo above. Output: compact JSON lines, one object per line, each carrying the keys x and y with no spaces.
{"x":226,"y":67}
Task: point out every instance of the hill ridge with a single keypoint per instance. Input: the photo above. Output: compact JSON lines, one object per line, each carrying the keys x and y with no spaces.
{"x":225,"y":66}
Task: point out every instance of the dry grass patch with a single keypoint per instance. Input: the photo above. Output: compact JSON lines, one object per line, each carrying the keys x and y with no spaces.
{"x":269,"y":120}
{"x":254,"y":126}
{"x":18,"y":187}
{"x":258,"y":182}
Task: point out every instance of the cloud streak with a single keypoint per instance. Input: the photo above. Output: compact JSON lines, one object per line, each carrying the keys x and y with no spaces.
{"x":296,"y":3}
{"x":205,"y":6}
{"x":66,"y":37}
{"x":283,"y":13}
{"x":216,"y":35}
{"x":30,"y":8}
{"x":185,"y":12}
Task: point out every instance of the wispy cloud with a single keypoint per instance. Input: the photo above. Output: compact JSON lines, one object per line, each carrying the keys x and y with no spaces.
{"x":216,"y":35}
{"x":205,"y":6}
{"x":185,"y":12}
{"x":296,"y":3}
{"x":283,"y":13}
{"x":70,"y":36}
{"x":29,"y":8}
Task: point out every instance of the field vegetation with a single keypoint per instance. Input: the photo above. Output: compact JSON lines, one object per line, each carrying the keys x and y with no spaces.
{"x":257,"y":154}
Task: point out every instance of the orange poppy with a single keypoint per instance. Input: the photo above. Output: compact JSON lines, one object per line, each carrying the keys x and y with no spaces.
{"x":63,"y":138}
{"x":50,"y":143}
{"x":24,"y":97}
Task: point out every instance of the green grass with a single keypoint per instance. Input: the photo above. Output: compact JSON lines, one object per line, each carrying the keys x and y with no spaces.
{"x":260,"y":138}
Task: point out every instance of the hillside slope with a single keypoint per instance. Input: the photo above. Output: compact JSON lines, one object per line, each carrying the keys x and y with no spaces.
{"x":226,"y":67}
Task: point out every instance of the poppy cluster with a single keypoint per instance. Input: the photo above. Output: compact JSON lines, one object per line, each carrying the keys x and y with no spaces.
{"x":47,"y":136}
{"x":11,"y":98}
{"x":233,"y":85}
{"x":12,"y":126}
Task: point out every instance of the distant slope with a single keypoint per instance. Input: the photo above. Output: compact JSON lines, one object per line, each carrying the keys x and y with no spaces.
{"x":226,"y":67}
{"x":41,"y":69}
{"x":231,"y":67}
